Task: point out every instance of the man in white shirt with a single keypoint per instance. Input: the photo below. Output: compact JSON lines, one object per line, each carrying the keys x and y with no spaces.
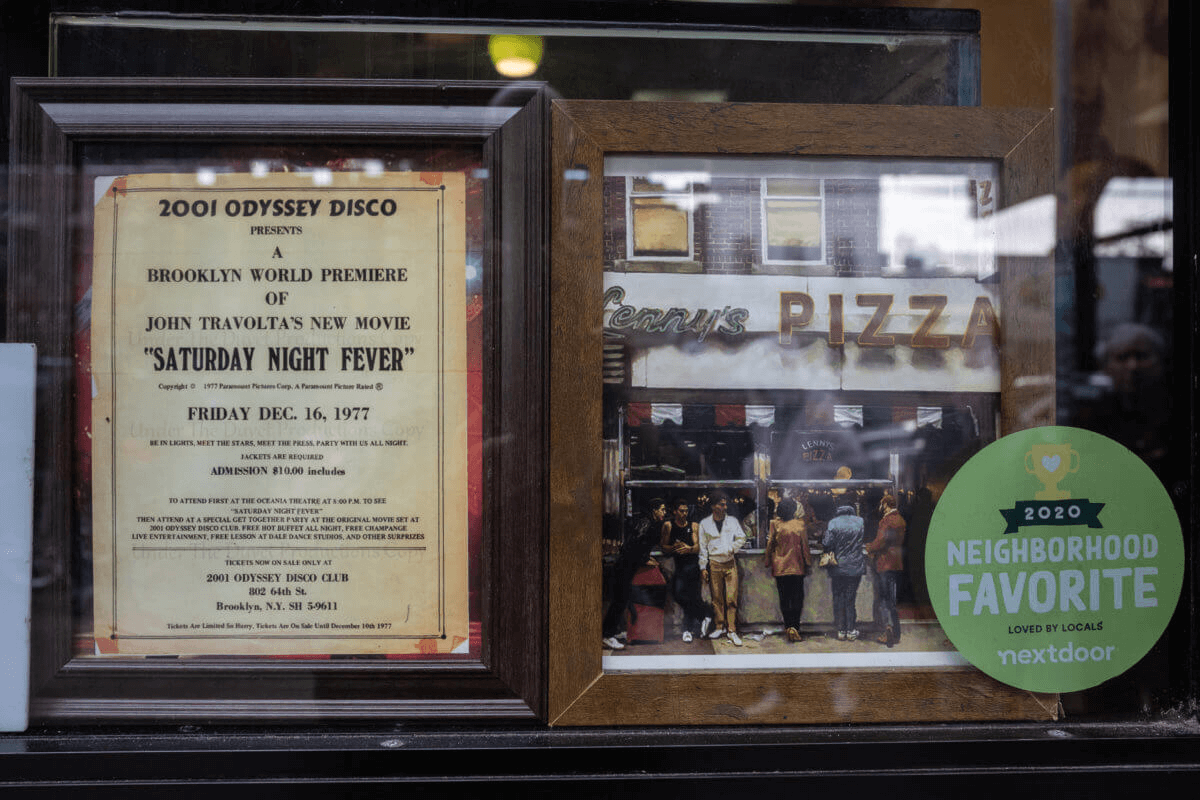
{"x":721,"y":537}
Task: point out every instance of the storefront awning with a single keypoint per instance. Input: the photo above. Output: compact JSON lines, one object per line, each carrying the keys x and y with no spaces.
{"x":740,"y":416}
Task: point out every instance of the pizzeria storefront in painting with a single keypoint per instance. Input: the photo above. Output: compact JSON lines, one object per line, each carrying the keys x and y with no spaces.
{"x":789,"y":334}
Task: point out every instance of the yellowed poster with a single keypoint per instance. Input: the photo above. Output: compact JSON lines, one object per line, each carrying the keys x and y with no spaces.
{"x":279,"y":414}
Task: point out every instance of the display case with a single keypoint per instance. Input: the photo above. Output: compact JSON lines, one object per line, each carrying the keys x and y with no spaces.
{"x":589,"y":396}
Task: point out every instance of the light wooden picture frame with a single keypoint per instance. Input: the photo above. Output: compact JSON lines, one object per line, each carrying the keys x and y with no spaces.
{"x":584,"y":133}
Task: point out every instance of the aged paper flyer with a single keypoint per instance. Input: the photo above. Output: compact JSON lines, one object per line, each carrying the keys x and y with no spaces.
{"x":279,"y":415}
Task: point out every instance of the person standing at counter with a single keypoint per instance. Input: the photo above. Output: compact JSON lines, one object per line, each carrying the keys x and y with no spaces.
{"x":887,"y":549}
{"x":721,"y":537}
{"x":681,"y":539}
{"x":844,"y":538}
{"x":789,"y":559}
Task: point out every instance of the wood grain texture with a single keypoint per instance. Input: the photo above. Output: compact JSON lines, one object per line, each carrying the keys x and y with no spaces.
{"x":577,"y":169}
{"x":516,"y":426}
{"x":799,"y":130}
{"x":793,"y":697}
{"x":53,"y":120}
{"x":582,"y":133}
{"x":1028,"y":368}
{"x":38,"y":309}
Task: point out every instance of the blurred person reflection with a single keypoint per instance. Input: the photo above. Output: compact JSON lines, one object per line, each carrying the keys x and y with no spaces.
{"x":1132,"y":402}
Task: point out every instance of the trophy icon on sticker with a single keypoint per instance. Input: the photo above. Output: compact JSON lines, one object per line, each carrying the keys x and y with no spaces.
{"x":1050,"y":464}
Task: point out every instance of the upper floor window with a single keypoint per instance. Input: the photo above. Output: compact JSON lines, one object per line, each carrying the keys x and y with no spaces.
{"x":660,"y":219}
{"x":793,"y":214}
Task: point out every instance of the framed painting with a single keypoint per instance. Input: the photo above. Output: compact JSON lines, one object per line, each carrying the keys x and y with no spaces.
{"x":779,"y":330}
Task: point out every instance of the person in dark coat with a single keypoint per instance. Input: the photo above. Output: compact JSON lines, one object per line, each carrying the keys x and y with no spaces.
{"x":635,"y":551}
{"x":887,"y":550}
{"x":844,"y":538}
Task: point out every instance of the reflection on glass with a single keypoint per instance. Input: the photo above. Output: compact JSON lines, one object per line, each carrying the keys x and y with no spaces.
{"x":515,"y":56}
{"x":937,"y":224}
{"x":653,"y":63}
{"x":1126,"y":261}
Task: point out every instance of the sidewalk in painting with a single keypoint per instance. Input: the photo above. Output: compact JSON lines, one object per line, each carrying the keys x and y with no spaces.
{"x":923,"y":643}
{"x":917,"y":636}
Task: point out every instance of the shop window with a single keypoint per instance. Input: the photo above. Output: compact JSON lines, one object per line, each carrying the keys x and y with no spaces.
{"x":660,"y":218}
{"x":793,"y":213}
{"x":670,"y":441}
{"x":848,"y":416}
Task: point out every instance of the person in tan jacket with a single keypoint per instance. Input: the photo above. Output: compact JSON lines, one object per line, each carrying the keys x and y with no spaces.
{"x":789,"y":559}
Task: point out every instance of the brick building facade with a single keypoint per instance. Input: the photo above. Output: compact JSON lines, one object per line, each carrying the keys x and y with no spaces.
{"x":727,"y":230}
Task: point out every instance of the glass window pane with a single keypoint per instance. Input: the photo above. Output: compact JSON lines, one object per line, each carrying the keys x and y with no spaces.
{"x":793,"y":187}
{"x":793,"y":230}
{"x":660,"y":228}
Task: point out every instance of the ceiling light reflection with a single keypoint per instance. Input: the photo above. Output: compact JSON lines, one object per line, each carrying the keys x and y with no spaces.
{"x":515,"y":56}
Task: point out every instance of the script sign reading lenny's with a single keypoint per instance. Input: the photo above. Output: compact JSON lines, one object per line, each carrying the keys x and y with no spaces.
{"x":279,"y":415}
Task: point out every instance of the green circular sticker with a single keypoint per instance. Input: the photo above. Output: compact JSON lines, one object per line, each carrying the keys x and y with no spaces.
{"x":1054,"y":559}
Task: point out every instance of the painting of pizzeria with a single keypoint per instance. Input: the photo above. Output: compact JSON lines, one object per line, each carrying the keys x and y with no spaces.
{"x":812,"y":345}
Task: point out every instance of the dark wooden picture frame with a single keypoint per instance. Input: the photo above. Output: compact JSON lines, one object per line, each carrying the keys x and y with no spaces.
{"x":1021,"y":142}
{"x":507,"y":124}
